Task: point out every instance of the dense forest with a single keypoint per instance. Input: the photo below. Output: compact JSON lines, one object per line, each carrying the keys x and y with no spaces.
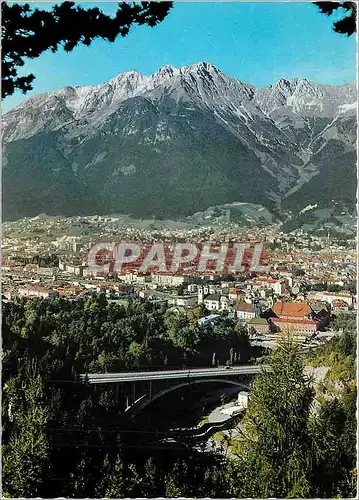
{"x":63,"y":438}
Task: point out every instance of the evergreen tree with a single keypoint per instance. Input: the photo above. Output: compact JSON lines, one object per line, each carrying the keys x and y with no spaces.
{"x":274,"y":457}
{"x":26,"y":459}
{"x":150,"y":479}
{"x":176,"y":481}
{"x":334,"y":435}
{"x":115,"y":479}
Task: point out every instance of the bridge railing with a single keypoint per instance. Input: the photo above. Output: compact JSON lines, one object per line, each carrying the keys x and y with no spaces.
{"x":102,"y":378}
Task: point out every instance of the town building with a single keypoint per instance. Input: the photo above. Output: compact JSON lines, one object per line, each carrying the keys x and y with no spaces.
{"x":242,"y":399}
{"x":339,"y":306}
{"x":331,"y":296}
{"x":295,"y":325}
{"x":37,"y":291}
{"x":210,"y":320}
{"x":259,"y":325}
{"x":245,"y":311}
{"x":216,"y":302}
{"x":292,"y":310}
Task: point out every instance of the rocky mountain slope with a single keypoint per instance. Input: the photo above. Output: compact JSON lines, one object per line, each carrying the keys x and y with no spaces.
{"x":178,"y":142}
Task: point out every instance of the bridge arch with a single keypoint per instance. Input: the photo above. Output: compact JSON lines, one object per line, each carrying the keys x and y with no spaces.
{"x":144,"y":401}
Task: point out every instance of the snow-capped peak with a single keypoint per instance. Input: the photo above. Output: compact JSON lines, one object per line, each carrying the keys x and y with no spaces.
{"x":200,"y":68}
{"x":201,"y":83}
{"x":167,"y":70}
{"x":132,"y":78}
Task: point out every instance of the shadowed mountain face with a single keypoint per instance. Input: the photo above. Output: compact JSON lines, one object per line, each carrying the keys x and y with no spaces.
{"x":178,"y":142}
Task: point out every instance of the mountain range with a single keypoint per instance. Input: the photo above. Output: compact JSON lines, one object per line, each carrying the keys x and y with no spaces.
{"x":180,"y":141}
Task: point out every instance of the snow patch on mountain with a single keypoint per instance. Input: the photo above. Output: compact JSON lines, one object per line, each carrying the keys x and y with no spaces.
{"x":308,"y":207}
{"x":348,"y":107}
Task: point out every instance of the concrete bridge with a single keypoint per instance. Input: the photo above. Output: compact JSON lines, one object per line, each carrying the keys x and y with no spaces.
{"x":106,"y":378}
{"x":179,"y":379}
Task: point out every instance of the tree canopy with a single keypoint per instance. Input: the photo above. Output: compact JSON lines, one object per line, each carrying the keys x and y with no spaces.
{"x":28,"y":32}
{"x":346,"y":25}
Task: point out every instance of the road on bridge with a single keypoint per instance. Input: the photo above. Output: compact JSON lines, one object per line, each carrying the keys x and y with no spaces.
{"x":105,"y":378}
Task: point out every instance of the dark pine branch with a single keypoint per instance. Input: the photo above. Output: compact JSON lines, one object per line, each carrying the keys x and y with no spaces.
{"x":27,"y":32}
{"x":346,"y":25}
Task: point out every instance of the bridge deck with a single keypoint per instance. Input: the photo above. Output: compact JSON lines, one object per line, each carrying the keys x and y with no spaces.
{"x":105,"y":378}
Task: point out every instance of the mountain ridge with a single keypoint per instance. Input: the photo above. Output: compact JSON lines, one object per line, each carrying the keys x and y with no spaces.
{"x":192,"y":136}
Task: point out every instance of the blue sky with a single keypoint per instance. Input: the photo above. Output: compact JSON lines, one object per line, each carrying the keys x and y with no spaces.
{"x":254,"y":42}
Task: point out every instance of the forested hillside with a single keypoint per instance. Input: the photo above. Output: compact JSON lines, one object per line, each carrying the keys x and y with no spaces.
{"x":62,"y":438}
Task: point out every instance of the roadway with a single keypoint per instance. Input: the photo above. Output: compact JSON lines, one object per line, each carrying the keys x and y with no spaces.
{"x":217,"y":417}
{"x":105,"y":378}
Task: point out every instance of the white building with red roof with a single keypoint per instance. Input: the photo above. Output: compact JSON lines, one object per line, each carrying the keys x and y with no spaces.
{"x":277,"y":285}
{"x":37,"y":291}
